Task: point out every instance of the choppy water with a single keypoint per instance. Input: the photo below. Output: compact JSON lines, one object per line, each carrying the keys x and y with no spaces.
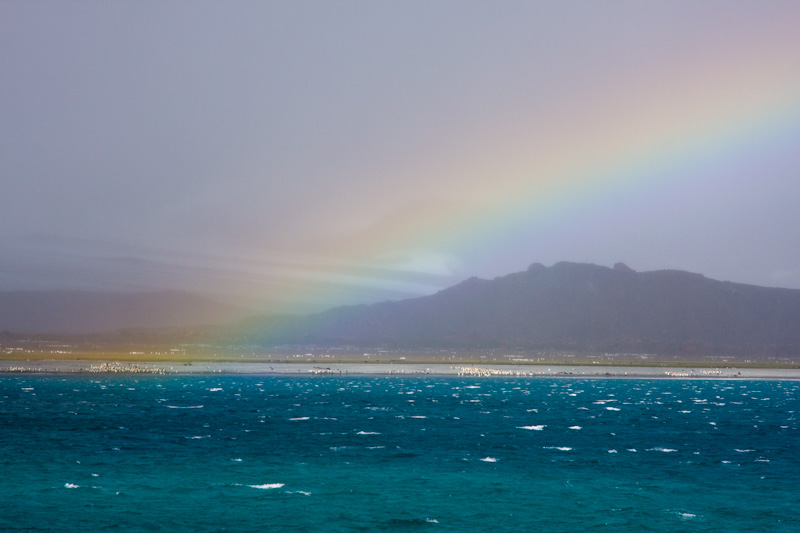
{"x":265,"y":453}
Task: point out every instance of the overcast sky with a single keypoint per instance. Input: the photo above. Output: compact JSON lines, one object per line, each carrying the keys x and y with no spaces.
{"x":297,"y":155}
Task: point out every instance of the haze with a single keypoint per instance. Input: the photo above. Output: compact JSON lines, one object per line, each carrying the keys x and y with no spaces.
{"x":298,"y":155}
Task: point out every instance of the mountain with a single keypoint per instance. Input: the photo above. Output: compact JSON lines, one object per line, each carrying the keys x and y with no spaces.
{"x":78,"y":312}
{"x":569,"y":306}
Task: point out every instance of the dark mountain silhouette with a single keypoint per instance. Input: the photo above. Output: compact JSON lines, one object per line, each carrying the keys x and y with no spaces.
{"x":78,"y":312}
{"x":569,"y":306}
{"x":580,"y":308}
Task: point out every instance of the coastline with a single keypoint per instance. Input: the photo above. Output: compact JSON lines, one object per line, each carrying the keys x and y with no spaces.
{"x":391,"y":369}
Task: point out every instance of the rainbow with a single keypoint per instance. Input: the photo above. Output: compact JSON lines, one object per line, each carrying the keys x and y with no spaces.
{"x":629,"y":147}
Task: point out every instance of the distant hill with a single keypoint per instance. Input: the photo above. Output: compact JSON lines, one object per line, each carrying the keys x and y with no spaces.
{"x":569,"y":306}
{"x":79,"y":312}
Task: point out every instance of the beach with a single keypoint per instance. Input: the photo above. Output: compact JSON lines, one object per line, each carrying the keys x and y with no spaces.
{"x":384,"y":369}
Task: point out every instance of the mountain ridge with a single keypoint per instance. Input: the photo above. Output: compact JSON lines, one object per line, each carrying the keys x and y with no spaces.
{"x":568,"y":306}
{"x":86,"y":312}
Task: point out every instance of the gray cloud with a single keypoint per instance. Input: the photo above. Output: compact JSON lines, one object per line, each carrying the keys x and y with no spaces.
{"x":238,"y":148}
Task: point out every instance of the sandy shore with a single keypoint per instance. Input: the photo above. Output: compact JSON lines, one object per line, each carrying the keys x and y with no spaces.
{"x":386,"y":369}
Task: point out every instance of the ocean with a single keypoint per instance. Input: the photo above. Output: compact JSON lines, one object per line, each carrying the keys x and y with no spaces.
{"x":392,"y":453}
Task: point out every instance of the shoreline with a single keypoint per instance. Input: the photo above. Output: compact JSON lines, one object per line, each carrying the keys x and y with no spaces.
{"x":390,"y":369}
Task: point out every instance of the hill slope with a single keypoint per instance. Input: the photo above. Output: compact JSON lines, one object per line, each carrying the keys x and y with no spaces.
{"x":568,"y":306}
{"x":77,"y":312}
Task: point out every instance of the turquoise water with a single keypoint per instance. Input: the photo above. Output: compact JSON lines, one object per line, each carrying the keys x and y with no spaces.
{"x":267,"y":453}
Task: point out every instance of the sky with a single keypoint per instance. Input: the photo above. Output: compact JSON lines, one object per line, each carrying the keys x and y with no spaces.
{"x":293,"y":156}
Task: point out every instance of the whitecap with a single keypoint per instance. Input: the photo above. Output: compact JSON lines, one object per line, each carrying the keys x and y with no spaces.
{"x":70,"y":486}
{"x":267,"y":486}
{"x":367,"y":433}
{"x":575,"y":427}
{"x":237,"y":460}
{"x":559,"y":448}
{"x":183,"y":406}
{"x":612,"y":451}
{"x":489,"y":460}
{"x":665,"y":450}
{"x":215,"y":389}
{"x":300,"y":418}
{"x":612,"y":408}
{"x":431,"y":520}
{"x":743,"y":451}
{"x":687,"y":516}
{"x":533,"y":428}
{"x":304,"y":493}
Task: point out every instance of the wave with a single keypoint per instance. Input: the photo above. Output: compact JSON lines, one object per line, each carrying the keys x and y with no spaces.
{"x":407,"y":523}
{"x":267,"y":486}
